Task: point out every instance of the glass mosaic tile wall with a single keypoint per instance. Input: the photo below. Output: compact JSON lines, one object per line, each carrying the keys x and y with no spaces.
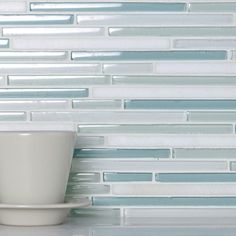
{"x":151,"y":86}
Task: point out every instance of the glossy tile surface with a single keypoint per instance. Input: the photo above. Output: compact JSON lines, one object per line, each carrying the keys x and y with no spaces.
{"x":213,"y":7}
{"x":126,"y":177}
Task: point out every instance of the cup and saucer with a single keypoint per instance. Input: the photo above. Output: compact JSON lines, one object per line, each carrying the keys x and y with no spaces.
{"x":34,"y":171}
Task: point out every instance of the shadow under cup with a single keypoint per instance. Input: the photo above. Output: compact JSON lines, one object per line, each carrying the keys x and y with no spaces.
{"x":35,"y":166}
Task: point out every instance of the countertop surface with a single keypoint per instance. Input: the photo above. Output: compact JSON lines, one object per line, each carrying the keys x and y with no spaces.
{"x":92,"y":226}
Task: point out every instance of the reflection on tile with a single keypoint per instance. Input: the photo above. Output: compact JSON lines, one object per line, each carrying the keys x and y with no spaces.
{"x":173,"y":189}
{"x":33,"y":104}
{"x":42,"y":93}
{"x":97,"y":104}
{"x":89,"y":141}
{"x":35,"y":19}
{"x":84,"y":177}
{"x":213,"y":116}
{"x":205,"y":153}
{"x":43,"y":31}
{"x":107,"y":6}
{"x":182,"y":104}
{"x":107,"y":117}
{"x":122,"y":153}
{"x":4,"y":43}
{"x":213,"y":7}
{"x":57,"y":80}
{"x":114,"y":165}
{"x":11,"y":56}
{"x":126,"y":177}
{"x":196,"y":177}
{"x":155,"y":19}
{"x":163,"y":129}
{"x":148,"y":55}
{"x":128,"y":68}
{"x":13,"y":6}
{"x":87,"y":189}
{"x":173,"y":80}
{"x":29,"y":69}
{"x":162,"y":201}
{"x":173,"y":140}
{"x":172,"y":31}
{"x":12,"y":116}
{"x":96,"y":212}
{"x":204,"y":43}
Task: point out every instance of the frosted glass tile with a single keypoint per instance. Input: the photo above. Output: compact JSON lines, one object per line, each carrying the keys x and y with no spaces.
{"x":155,"y":19}
{"x":196,"y":68}
{"x":173,"y":80}
{"x":2,"y":80}
{"x":89,"y":141}
{"x":106,"y":117}
{"x":30,"y":56}
{"x":180,"y":189}
{"x":205,"y":153}
{"x":4,"y":43}
{"x":126,"y":177}
{"x":121,"y":153}
{"x":128,"y":68}
{"x":88,"y":189}
{"x":12,"y":116}
{"x":81,"y":165}
{"x":50,"y":93}
{"x":35,"y":19}
{"x":186,"y":104}
{"x":173,"y":140}
{"x":43,"y":31}
{"x":162,"y":129}
{"x":107,"y":6}
{"x":213,"y":7}
{"x":57,"y":80}
{"x":196,"y":177}
{"x":78,"y":43}
{"x":213,"y":116}
{"x":149,"y":55}
{"x":97,"y":104}
{"x":29,"y":69}
{"x":12,"y":6}
{"x":164,"y":201}
{"x":33,"y":104}
{"x":168,"y":92}
{"x":204,"y":43}
{"x":84,"y":177}
{"x":233,"y":166}
{"x":172,"y":31}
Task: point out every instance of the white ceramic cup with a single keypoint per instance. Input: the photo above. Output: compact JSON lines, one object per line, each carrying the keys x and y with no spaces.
{"x":35,"y":166}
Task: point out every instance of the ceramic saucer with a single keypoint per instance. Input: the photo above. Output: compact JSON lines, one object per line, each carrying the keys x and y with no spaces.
{"x":32,"y":215}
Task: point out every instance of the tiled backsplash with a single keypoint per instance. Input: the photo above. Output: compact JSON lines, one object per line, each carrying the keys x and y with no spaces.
{"x":151,"y":86}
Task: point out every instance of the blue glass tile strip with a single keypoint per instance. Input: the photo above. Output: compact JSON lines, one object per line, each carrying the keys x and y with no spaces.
{"x":213,"y":7}
{"x":126,"y":177}
{"x":149,"y":55}
{"x":196,"y":177}
{"x":121,"y":153}
{"x":180,"y":104}
{"x":164,"y":201}
{"x":107,"y":6}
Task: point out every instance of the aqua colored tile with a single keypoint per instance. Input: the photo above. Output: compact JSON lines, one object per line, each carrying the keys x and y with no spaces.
{"x":97,"y":104}
{"x":58,"y":80}
{"x":149,"y":55}
{"x":162,"y":129}
{"x":84,"y":177}
{"x":12,"y":116}
{"x":204,"y":153}
{"x":4,"y":43}
{"x":180,"y":104}
{"x":107,"y":6}
{"x":87,"y":189}
{"x":121,"y":153}
{"x":164,"y":201}
{"x":172,"y":80}
{"x":196,"y":177}
{"x":126,"y":177}
{"x":96,"y":213}
{"x":213,"y":7}
{"x":172,"y":31}
{"x":41,"y":93}
{"x":37,"y":19}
